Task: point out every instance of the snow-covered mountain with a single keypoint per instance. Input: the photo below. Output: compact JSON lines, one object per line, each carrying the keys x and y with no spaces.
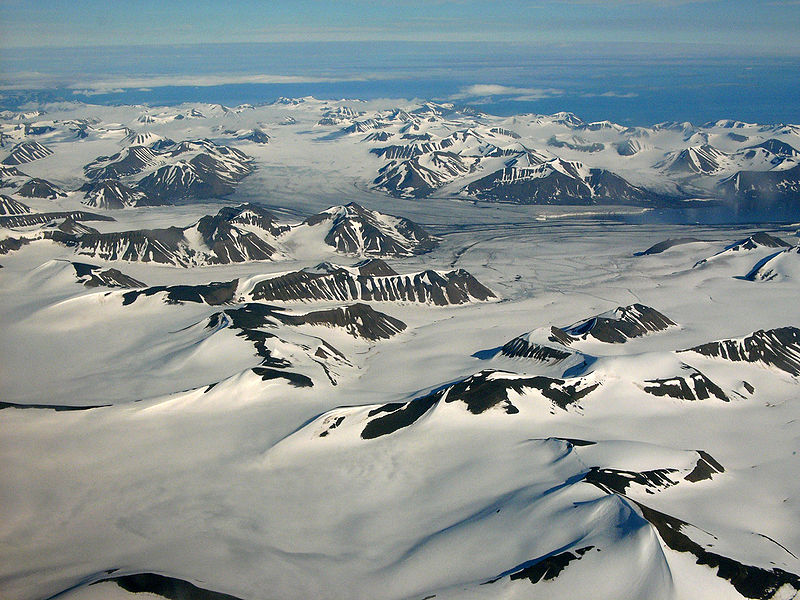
{"x":703,"y":159}
{"x":352,"y":229}
{"x":9,"y":206}
{"x":778,"y":348}
{"x":40,"y":188}
{"x":420,"y":176}
{"x":244,"y":233}
{"x":763,"y":188}
{"x":112,"y":194}
{"x":757,"y":241}
{"x":217,"y":239}
{"x":779,"y":266}
{"x":26,"y":152}
{"x":558,"y":182}
{"x":195,"y":169}
{"x":366,"y":282}
{"x":612,"y":327}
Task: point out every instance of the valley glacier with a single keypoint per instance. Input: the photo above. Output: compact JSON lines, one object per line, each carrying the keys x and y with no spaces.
{"x":407,"y":350}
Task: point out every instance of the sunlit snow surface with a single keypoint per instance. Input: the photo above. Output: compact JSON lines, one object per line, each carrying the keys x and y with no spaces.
{"x":389,"y":477}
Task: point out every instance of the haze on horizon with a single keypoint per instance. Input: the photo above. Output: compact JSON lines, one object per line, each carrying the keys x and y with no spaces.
{"x":766,"y":27}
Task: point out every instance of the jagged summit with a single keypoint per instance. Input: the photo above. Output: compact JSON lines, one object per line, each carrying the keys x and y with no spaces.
{"x":354,"y":229}
{"x":703,"y":159}
{"x":558,"y":182}
{"x":555,"y":345}
{"x":186,"y":170}
{"x":334,"y":283}
{"x":420,"y":176}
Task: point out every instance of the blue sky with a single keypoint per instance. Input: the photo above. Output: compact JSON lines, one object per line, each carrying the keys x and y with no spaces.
{"x":767,"y":26}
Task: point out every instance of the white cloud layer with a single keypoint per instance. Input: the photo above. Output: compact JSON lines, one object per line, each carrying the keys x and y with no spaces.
{"x":112,"y":85}
{"x":483,"y":90}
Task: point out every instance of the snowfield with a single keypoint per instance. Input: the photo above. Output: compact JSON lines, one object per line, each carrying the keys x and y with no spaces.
{"x":339,"y":373}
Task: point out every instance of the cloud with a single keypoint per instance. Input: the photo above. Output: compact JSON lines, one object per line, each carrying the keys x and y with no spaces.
{"x":484,"y":90}
{"x":98,"y":91}
{"x":611,"y":94}
{"x":207,"y":81}
{"x":119,"y":84}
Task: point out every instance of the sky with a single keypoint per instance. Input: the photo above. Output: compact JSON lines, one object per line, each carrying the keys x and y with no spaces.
{"x":766,"y":26}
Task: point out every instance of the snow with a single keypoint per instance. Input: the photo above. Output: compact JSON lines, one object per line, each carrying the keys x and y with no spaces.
{"x":234,"y":487}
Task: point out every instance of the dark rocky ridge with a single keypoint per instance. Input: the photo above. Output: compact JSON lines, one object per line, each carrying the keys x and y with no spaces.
{"x":377,"y":136}
{"x":520,"y":347}
{"x":666,"y":245}
{"x":26,"y":152}
{"x":543,"y":569}
{"x":374,"y":267}
{"x":166,"y":587}
{"x":479,"y":392}
{"x":339,"y":284}
{"x":167,"y":246}
{"x":253,"y":215}
{"x":55,"y":407}
{"x":761,"y":238}
{"x":693,"y":386}
{"x":622,"y":324}
{"x":129,"y":161}
{"x":777,"y":147}
{"x":11,"y":244}
{"x":201,"y":177}
{"x":704,"y":469}
{"x":213,"y":294}
{"x":359,"y":320}
{"x":11,"y":176}
{"x":257,"y":136}
{"x":68,"y":227}
{"x":779,"y":348}
{"x":33,"y":219}
{"x":40,"y":188}
{"x":750,"y":581}
{"x":576,"y":144}
{"x":230,"y":243}
{"x":625,"y":322}
{"x":701,"y":160}
{"x":619,"y":480}
{"x":9,"y":206}
{"x":95,"y":276}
